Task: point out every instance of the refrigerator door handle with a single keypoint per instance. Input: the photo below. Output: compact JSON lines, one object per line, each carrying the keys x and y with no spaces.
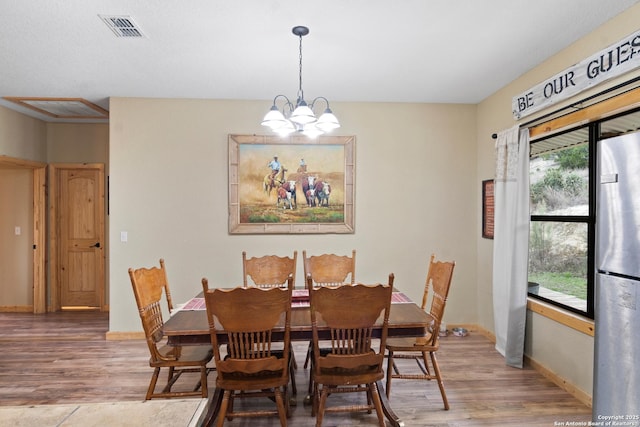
{"x":609,"y":178}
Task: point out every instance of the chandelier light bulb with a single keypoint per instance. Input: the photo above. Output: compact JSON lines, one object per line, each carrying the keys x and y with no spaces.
{"x":327,"y":121}
{"x":303,"y":114}
{"x":274,"y":118}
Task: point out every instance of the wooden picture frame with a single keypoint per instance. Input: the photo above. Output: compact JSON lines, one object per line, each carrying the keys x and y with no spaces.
{"x":488,"y":208}
{"x":260,"y":203}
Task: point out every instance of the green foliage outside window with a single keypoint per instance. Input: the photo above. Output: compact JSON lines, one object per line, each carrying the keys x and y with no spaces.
{"x":573,"y":158}
{"x":558,"y":189}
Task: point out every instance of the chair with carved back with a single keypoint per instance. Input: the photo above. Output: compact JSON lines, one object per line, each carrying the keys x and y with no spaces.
{"x":251,"y":368}
{"x":271,"y":271}
{"x":148,"y":285}
{"x":167,"y":291}
{"x":328,"y":270}
{"x":268,"y":270}
{"x":423,"y":349}
{"x":353,"y":362}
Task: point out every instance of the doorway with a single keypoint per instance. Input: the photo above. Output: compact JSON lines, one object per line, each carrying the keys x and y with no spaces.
{"x":38,"y":263}
{"x":77,"y":221}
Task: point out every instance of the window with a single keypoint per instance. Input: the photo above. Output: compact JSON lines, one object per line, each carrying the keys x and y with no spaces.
{"x":562,"y":172}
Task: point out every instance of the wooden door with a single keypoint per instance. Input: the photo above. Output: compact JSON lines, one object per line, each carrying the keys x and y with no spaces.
{"x":79,"y":216}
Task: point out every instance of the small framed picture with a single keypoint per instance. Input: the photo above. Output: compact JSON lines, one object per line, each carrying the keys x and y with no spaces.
{"x":487,"y":209}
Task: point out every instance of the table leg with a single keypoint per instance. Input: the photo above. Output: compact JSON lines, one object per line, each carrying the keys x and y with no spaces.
{"x":213,"y":408}
{"x":386,"y":407}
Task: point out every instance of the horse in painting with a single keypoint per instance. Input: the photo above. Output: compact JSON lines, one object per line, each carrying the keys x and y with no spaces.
{"x":269,"y":182}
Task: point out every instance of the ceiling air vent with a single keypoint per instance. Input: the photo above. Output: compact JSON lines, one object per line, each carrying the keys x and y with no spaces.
{"x":122,"y":26}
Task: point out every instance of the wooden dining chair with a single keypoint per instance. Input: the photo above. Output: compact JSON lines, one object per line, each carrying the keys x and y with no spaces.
{"x":269,"y":270}
{"x":148,"y":285}
{"x":330,"y":269}
{"x":353,"y":363}
{"x":327,"y":270}
{"x":424,"y":348}
{"x":272,"y":271}
{"x":257,"y":363}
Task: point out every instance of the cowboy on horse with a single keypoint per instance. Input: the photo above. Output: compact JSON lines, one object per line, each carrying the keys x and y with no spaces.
{"x":275,"y":168}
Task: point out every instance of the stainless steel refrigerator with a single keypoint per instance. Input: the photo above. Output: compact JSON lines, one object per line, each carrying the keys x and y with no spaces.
{"x":616,"y":380}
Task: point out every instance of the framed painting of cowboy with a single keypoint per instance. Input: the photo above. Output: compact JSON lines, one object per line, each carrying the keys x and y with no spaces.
{"x":291,"y":185}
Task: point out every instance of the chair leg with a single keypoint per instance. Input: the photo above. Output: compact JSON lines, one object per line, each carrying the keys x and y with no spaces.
{"x":375,"y":393}
{"x":152,"y":384}
{"x":203,"y":381}
{"x":308,"y":357}
{"x":424,"y":366}
{"x":311,"y":382}
{"x":223,"y":408}
{"x":436,"y":369}
{"x":321,"y":406}
{"x":293,"y":357}
{"x":390,"y":366}
{"x":287,"y":401}
{"x":282,"y":411}
{"x":315,"y":399}
{"x":232,"y":395}
{"x":292,"y":375}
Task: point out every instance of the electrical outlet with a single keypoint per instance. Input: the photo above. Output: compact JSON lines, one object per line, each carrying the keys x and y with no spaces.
{"x":18,"y":230}
{"x":123,"y":236}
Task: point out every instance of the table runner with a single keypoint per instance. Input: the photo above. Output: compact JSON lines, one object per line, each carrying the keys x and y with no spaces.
{"x":299,"y":298}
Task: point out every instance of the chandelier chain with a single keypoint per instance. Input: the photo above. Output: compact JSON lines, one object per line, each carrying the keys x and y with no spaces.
{"x":300,"y":91}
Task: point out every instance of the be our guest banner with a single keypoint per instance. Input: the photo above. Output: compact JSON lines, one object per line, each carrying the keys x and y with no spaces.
{"x":611,"y":62}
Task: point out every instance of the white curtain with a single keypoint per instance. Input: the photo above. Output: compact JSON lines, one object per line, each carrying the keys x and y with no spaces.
{"x":511,"y":243}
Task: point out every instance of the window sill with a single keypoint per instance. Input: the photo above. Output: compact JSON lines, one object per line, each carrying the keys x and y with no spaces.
{"x":563,"y":317}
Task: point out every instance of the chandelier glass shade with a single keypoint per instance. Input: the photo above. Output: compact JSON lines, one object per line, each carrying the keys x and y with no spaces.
{"x":299,"y":117}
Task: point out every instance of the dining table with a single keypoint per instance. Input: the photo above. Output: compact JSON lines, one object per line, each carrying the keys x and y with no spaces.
{"x":188,"y":325}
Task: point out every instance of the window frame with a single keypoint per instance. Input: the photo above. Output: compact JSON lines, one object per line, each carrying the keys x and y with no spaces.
{"x":593,"y":124}
{"x":589,"y":220}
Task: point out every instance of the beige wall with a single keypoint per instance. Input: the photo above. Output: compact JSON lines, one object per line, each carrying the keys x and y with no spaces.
{"x":77,"y":143}
{"x":21,"y":136}
{"x":415,"y":194}
{"x":16,"y":210}
{"x":562,"y":350}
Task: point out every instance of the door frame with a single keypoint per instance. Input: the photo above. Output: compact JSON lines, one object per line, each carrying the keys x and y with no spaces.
{"x":39,"y":227}
{"x":55,"y":303}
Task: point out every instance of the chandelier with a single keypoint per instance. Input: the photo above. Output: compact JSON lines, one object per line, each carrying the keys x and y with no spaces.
{"x":299,"y":118}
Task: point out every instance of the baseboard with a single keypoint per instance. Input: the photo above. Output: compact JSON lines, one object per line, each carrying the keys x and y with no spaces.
{"x":122,"y":336}
{"x":16,"y":309}
{"x":560,"y":382}
{"x":544,"y":371}
{"x":474,"y":328}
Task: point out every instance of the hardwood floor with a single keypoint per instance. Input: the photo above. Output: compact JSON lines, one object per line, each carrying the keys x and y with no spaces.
{"x":61,"y":358}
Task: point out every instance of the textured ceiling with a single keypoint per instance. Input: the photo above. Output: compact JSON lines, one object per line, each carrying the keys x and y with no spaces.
{"x":358,"y":50}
